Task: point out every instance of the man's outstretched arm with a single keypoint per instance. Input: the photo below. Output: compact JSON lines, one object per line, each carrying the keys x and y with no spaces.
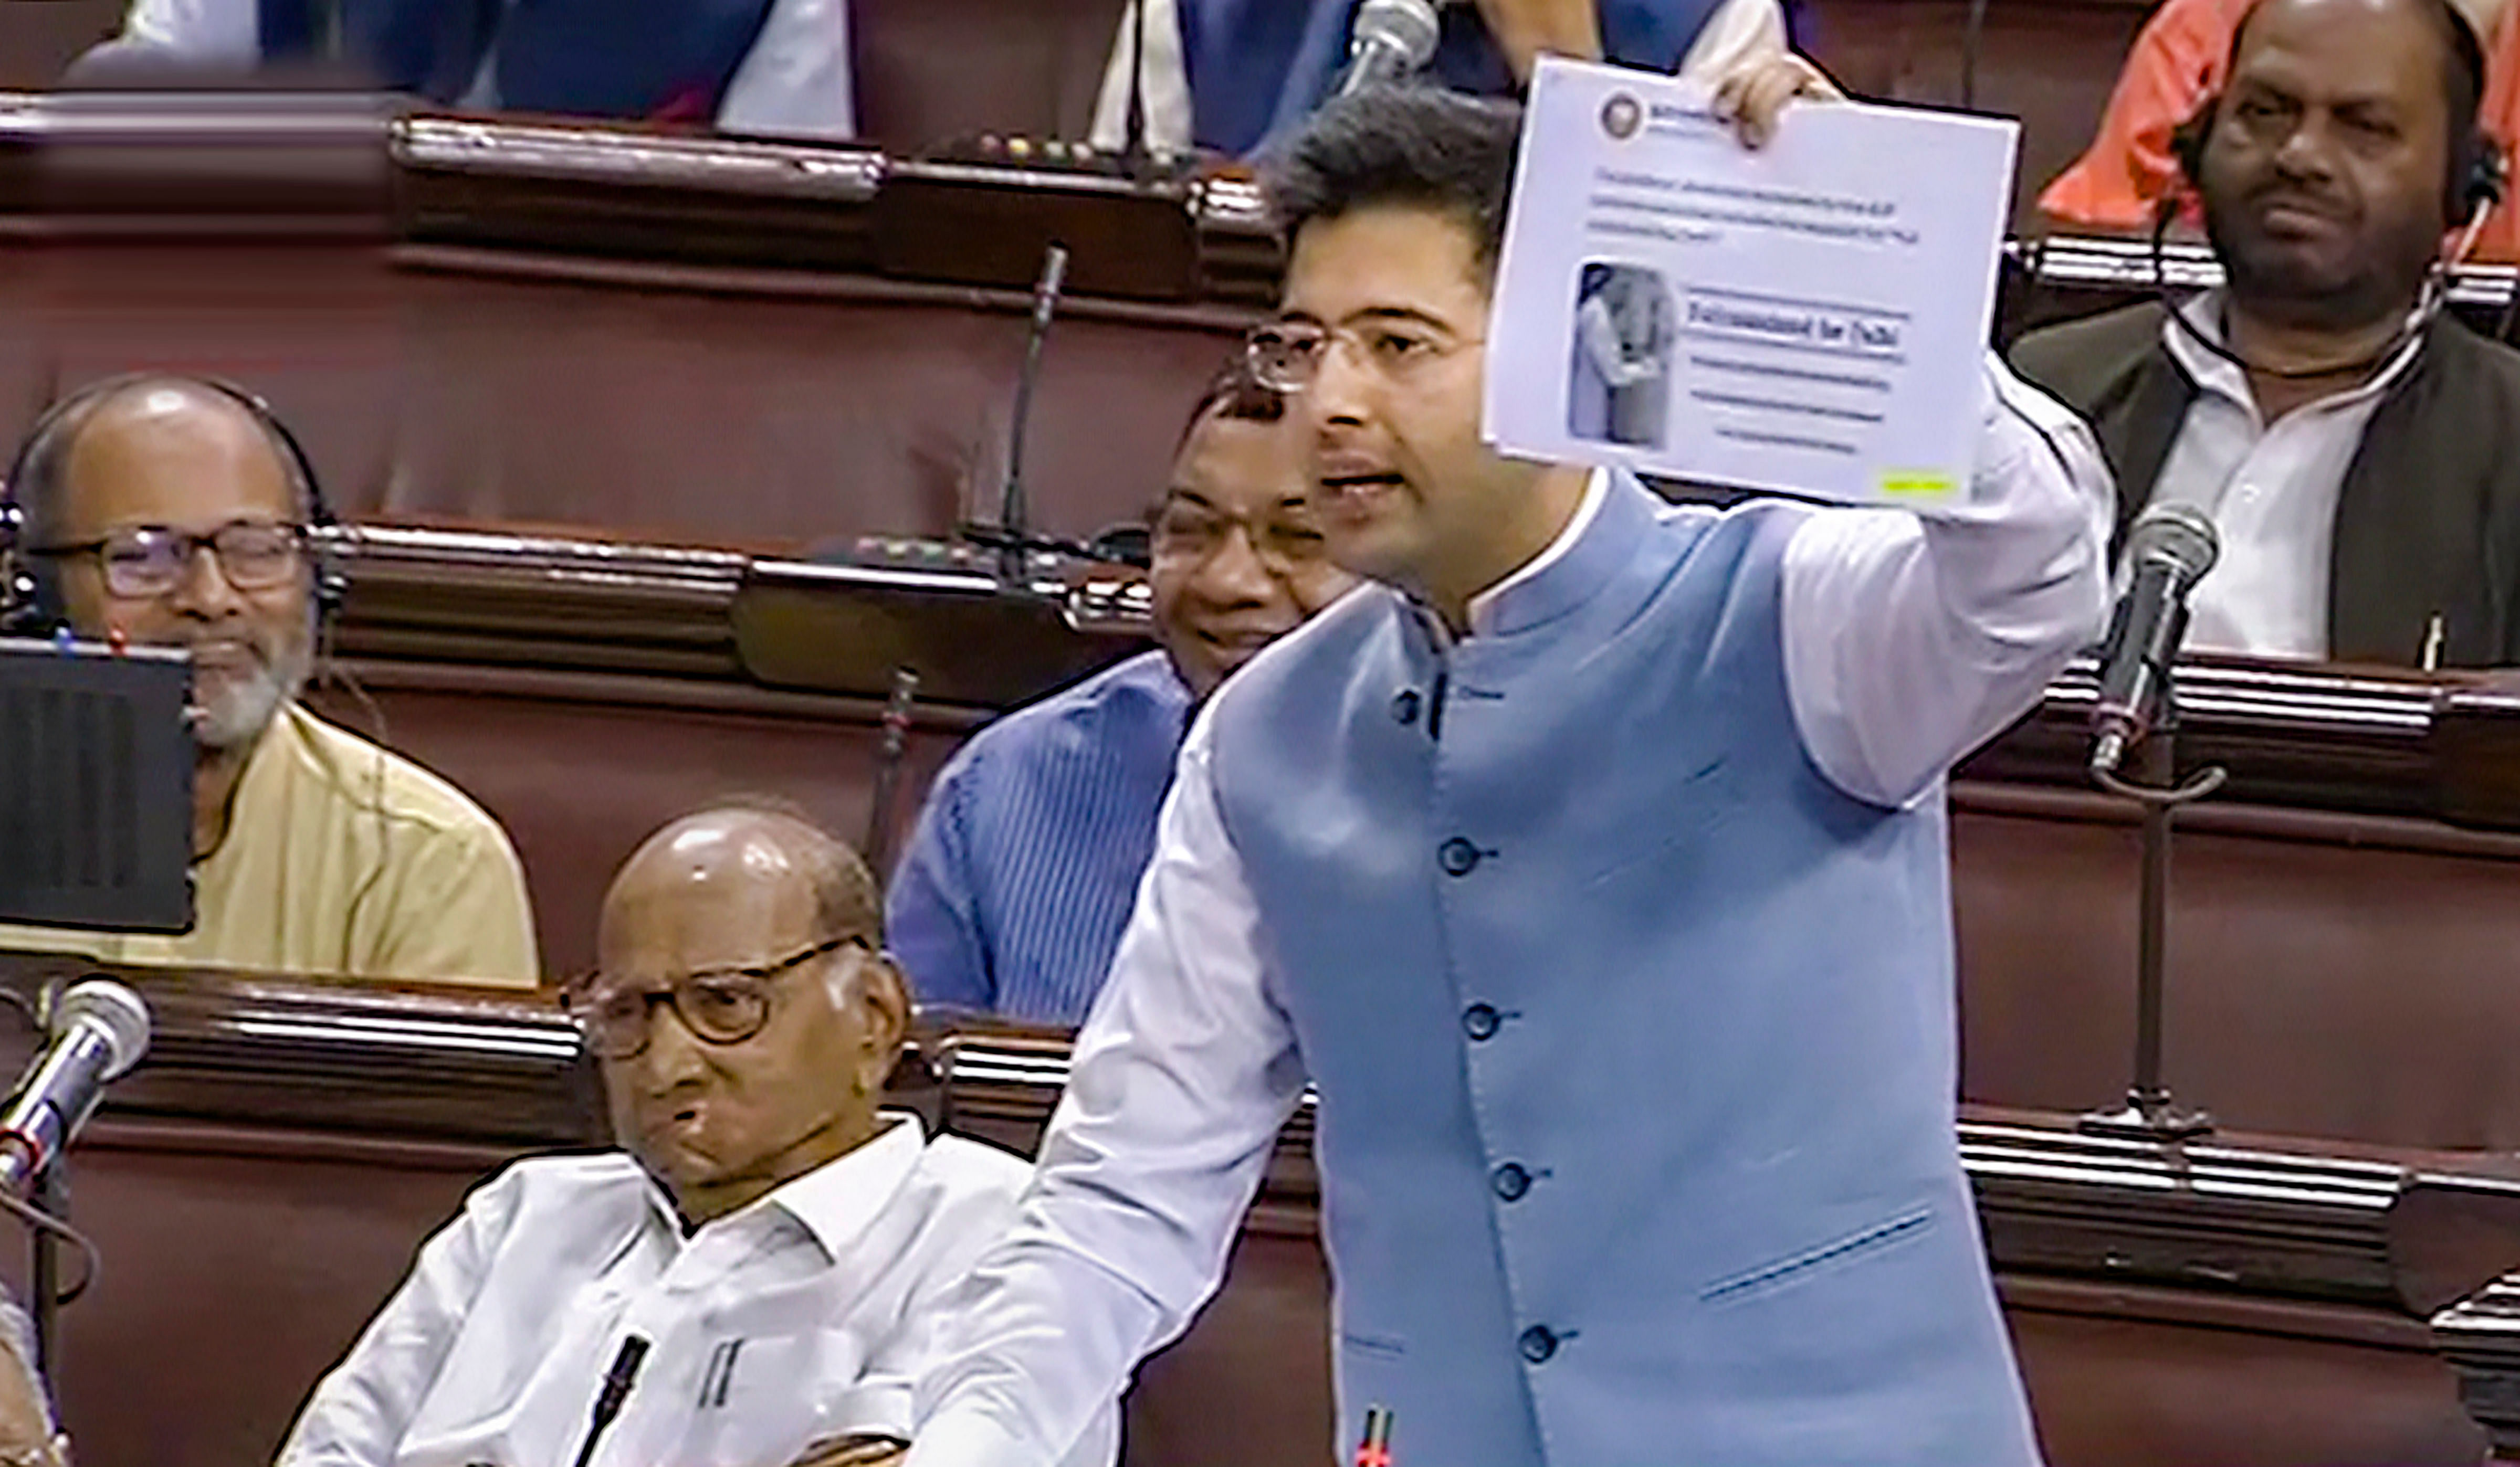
{"x":1184,"y":1073}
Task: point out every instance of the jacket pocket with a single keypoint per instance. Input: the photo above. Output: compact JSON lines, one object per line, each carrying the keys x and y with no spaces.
{"x":1827,"y":1257}
{"x":1367,"y":1346}
{"x":1686,"y":811}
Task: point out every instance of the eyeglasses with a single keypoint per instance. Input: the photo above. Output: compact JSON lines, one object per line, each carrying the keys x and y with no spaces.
{"x":151,"y":560}
{"x":719,"y":1005}
{"x":1281,"y":542}
{"x":1287,"y":356}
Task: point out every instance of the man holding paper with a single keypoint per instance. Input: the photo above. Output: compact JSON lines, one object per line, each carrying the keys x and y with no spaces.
{"x":1592,"y":866}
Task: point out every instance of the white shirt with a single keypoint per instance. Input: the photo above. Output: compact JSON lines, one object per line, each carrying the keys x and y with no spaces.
{"x":793,"y":1321}
{"x":796,"y":80}
{"x":1736,"y":33}
{"x":2271,"y":492}
{"x":1908,"y":642}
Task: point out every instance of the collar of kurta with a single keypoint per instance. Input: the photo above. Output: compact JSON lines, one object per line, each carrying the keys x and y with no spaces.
{"x":836,"y":1203}
{"x":1616,"y":512}
{"x":2226,"y":378}
{"x":261,"y":786}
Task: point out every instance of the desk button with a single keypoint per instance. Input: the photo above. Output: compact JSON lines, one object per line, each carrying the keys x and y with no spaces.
{"x":1538,"y":1344}
{"x":1512,"y":1181}
{"x":1404,"y":707}
{"x":1460,"y":857}
{"x":1480,"y":1022}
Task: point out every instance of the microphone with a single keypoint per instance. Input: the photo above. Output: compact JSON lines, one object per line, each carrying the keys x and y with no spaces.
{"x":1011,"y":534}
{"x":100,"y":1031}
{"x":609,"y":1401}
{"x":2167,"y":552}
{"x":1392,"y":39}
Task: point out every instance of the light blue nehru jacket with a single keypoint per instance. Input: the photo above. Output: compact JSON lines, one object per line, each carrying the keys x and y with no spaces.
{"x":1633,"y":1035}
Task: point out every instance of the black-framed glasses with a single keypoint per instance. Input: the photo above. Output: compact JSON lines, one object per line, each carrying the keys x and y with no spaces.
{"x":152,"y":559}
{"x":717,"y":1005}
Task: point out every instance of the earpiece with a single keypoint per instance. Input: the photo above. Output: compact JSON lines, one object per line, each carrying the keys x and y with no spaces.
{"x":2488,"y":176}
{"x":30,"y":600}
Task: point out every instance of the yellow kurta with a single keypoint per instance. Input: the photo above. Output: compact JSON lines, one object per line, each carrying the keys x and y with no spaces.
{"x":341,"y":857}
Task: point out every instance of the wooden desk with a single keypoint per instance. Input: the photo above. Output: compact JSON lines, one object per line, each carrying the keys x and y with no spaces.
{"x":2343,"y":931}
{"x":519,"y":322}
{"x":260,"y":1183}
{"x":511,"y":321}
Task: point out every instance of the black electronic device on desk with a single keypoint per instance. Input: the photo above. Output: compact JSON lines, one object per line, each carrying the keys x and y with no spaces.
{"x":96,"y":786}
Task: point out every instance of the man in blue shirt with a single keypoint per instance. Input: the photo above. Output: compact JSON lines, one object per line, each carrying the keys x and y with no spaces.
{"x":1015,"y":889}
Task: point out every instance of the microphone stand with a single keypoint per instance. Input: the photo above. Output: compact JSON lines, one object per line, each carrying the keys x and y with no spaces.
{"x":50,"y":1194}
{"x":897,"y":711}
{"x":1012,"y":537}
{"x":1135,"y":156}
{"x":2149,"y":1115}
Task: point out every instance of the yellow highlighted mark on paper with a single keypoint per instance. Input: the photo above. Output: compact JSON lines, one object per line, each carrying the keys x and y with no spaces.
{"x":1900,"y":483}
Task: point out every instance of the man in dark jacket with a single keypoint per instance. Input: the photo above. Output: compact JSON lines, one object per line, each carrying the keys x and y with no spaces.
{"x":2360,"y":455}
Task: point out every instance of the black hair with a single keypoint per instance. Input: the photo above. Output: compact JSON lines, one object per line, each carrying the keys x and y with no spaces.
{"x":1233,"y":392}
{"x":1407,"y":145}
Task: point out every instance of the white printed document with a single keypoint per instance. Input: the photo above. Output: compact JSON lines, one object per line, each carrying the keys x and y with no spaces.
{"x":1809,"y":317}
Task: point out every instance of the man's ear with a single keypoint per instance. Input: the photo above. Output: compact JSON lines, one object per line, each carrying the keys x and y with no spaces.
{"x":885,"y":999}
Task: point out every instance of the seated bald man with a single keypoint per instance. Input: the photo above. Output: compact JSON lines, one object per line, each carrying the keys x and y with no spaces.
{"x":174,"y":512}
{"x":770,"y":1233}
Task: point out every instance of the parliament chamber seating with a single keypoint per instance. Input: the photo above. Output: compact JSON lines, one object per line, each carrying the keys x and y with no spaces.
{"x":658,"y":361}
{"x":258,"y":1185}
{"x":610,"y":408}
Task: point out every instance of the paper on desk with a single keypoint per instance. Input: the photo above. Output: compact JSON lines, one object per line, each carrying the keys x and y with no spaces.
{"x":1810,"y":317}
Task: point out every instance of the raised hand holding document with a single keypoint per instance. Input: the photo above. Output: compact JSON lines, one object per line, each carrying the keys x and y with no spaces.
{"x":1809,"y":317}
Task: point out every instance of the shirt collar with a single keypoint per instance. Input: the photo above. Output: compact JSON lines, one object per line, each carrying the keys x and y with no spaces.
{"x":1615,"y":512}
{"x":261,"y":782}
{"x":837,"y":1201}
{"x":2226,"y":378}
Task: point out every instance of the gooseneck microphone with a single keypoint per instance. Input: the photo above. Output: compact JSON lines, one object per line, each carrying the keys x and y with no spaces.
{"x":100,"y":1030}
{"x":1391,"y":41}
{"x":1011,"y":536}
{"x":1045,"y":307}
{"x":618,"y":1381}
{"x":2167,"y":553}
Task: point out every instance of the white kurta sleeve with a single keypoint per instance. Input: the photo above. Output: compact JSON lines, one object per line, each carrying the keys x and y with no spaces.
{"x":1184,"y":1073}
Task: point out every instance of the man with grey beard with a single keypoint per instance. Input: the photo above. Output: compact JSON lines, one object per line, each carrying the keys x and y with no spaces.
{"x":167,"y":512}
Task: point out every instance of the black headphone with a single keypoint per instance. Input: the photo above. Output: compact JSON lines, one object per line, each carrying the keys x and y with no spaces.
{"x":2477,"y":175}
{"x":31,"y":602}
